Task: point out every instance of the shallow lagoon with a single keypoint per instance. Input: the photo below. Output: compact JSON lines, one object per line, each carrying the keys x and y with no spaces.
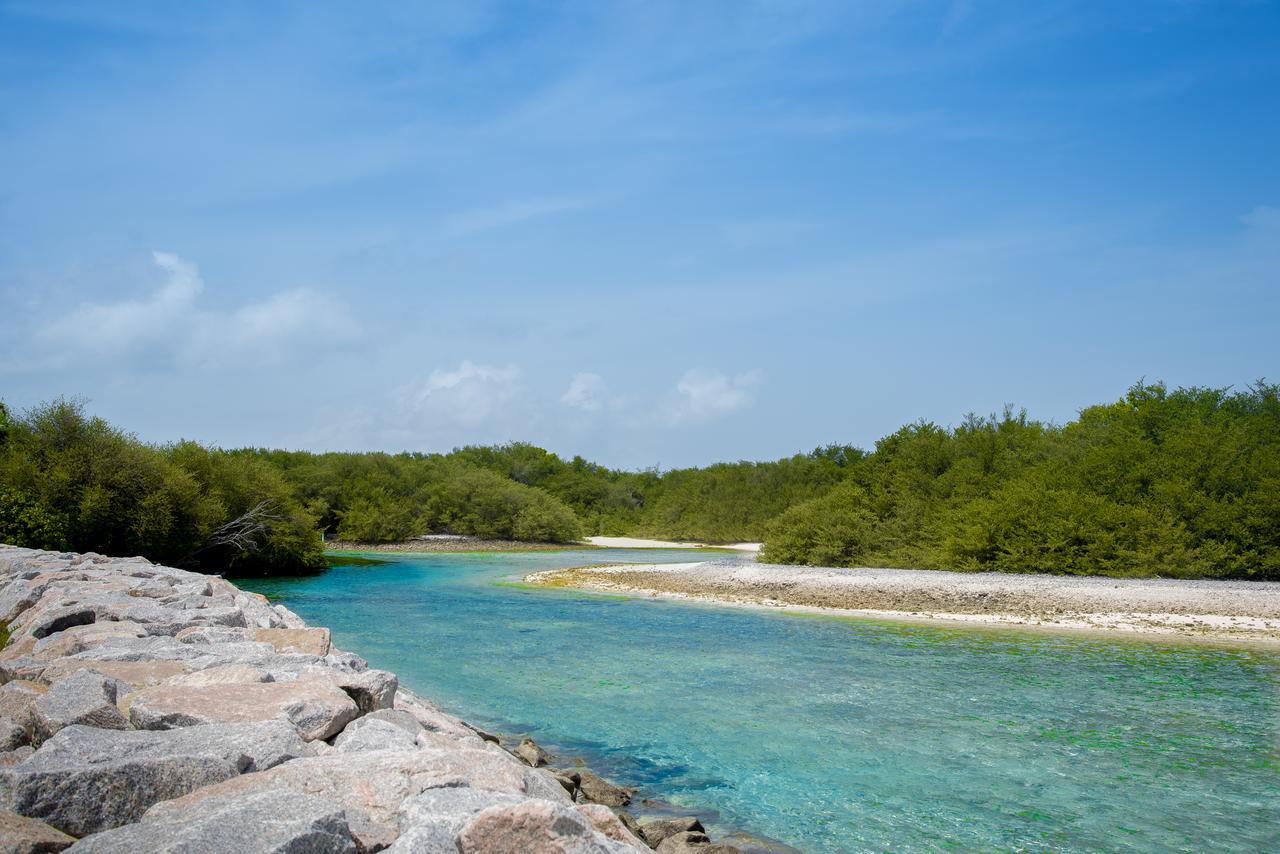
{"x":829,"y":734}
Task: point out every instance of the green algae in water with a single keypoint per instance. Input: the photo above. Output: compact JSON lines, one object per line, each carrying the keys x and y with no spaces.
{"x":836,"y":735}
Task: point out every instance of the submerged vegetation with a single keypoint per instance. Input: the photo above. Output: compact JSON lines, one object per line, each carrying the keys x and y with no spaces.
{"x":1175,"y":483}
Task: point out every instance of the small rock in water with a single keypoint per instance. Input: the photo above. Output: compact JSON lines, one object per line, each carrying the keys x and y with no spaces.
{"x":570,"y":780}
{"x":655,"y":830}
{"x":685,"y":842}
{"x":531,"y":753}
{"x":598,"y":790}
{"x":749,"y":843}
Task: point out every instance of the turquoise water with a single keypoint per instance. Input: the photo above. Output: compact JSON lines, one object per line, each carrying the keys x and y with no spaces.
{"x":835,"y":735}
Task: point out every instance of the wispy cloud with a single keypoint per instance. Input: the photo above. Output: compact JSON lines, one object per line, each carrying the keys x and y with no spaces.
{"x":702,"y":394}
{"x":169,"y":323}
{"x":471,"y":394}
{"x":586,"y":392}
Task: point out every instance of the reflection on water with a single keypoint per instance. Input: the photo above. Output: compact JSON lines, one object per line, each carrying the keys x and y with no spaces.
{"x":835,"y":735}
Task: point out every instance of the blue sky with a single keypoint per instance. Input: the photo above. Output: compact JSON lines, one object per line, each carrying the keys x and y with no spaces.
{"x":650,"y":233}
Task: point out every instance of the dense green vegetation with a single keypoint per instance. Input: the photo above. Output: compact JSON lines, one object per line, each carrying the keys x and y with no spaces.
{"x":69,"y":481}
{"x":1183,"y":483}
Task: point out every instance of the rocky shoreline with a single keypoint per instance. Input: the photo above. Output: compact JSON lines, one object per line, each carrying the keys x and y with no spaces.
{"x":1204,"y":610}
{"x":146,"y":708}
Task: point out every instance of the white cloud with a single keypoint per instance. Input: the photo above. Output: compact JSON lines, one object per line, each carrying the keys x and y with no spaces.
{"x":170,"y":320}
{"x":470,"y":395}
{"x":128,"y":324}
{"x":703,"y":394}
{"x":586,"y":392}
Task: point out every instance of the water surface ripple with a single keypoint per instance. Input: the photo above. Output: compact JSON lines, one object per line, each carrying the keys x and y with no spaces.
{"x":835,"y":735}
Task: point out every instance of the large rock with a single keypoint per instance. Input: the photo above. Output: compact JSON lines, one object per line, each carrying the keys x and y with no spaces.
{"x":377,"y":782}
{"x":395,"y":717}
{"x":85,"y":697}
{"x":430,"y":822}
{"x":17,"y":702}
{"x":256,"y":822}
{"x":53,"y":620}
{"x":212,"y":634}
{"x":81,"y":638}
{"x":375,"y":735}
{"x":316,"y":707}
{"x":598,"y":790}
{"x":19,"y":754}
{"x":86,"y":779}
{"x":224,"y":674}
{"x":22,"y":835}
{"x":136,"y":674}
{"x":431,"y":717}
{"x":12,"y":735}
{"x":309,"y":641}
{"x":24,"y":667}
{"x":535,"y":825}
{"x":371,"y":690}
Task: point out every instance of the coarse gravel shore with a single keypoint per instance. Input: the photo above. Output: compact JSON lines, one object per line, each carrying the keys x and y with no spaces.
{"x":1206,"y":609}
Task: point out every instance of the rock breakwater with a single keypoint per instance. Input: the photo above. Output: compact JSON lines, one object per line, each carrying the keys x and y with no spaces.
{"x":146,"y":708}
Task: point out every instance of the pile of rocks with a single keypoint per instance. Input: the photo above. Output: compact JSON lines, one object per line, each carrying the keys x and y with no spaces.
{"x":145,"y":708}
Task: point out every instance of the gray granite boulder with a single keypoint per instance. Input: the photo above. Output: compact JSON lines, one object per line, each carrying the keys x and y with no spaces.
{"x":374,"y":735}
{"x":535,"y":825}
{"x":377,"y":782}
{"x":315,"y":706}
{"x":18,"y":754}
{"x":85,"y":697}
{"x":17,"y":702}
{"x":135,"y":674}
{"x":212,"y":634}
{"x":56,"y":619}
{"x":430,"y":822}
{"x":310,"y":641}
{"x":12,"y":735}
{"x":86,"y":779}
{"x":256,"y":822}
{"x":395,"y":717}
{"x":607,"y":822}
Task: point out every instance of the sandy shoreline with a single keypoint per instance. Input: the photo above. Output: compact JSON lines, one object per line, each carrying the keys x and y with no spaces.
{"x":1208,"y":610}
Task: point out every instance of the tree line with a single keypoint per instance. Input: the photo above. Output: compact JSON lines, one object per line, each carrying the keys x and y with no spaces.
{"x":1173,"y":483}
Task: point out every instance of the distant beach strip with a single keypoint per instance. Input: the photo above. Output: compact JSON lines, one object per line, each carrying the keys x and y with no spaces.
{"x":1203,"y":609}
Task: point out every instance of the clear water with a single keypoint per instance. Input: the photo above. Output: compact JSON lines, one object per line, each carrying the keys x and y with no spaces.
{"x":836,"y":735}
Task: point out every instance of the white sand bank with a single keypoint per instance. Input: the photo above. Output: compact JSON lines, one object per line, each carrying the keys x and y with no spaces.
{"x":1239,"y":610}
{"x":639,"y":543}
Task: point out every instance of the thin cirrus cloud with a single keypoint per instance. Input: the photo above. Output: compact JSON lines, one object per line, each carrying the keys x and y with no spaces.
{"x":170,"y":321}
